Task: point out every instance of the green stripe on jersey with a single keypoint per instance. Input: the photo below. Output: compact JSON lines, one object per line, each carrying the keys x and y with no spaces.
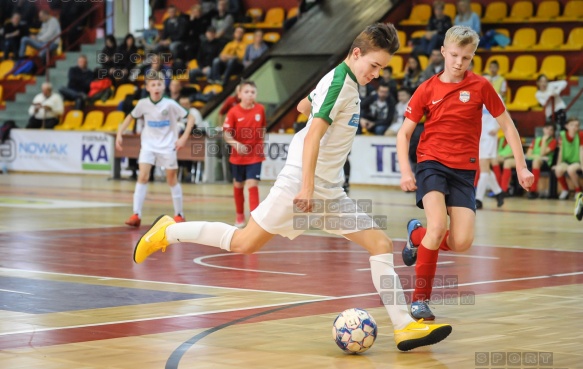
{"x":340,"y":73}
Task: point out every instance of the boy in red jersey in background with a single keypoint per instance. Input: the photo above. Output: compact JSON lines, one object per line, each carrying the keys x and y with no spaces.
{"x":244,"y":129}
{"x":448,"y":159}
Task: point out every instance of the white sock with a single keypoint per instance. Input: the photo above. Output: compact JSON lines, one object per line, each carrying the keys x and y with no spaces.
{"x":177,"y":198}
{"x":139,"y":197}
{"x":481,"y":187}
{"x":388,"y":285}
{"x":493,"y":183}
{"x":204,"y":233}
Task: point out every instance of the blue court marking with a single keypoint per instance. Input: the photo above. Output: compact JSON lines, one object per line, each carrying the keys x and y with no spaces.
{"x":35,"y":296}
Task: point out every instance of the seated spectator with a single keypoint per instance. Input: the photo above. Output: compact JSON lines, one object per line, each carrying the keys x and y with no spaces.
{"x":387,"y":79}
{"x":150,"y":36}
{"x":413,"y":71}
{"x":230,"y":60}
{"x":197,"y":25}
{"x":46,"y":108}
{"x":229,"y":102}
{"x":174,"y":34}
{"x":435,"y":65}
{"x":107,"y":55}
{"x":175,"y":90}
{"x":13,"y":32}
{"x":569,"y":160}
{"x":80,"y":78}
{"x":403,"y":100}
{"x":49,"y":29}
{"x":184,"y":101}
{"x":222,"y":20}
{"x":438,"y":24}
{"x":156,"y":64}
{"x":210,"y":48}
{"x":466,"y":17}
{"x":254,"y":50}
{"x":126,"y":57}
{"x":377,"y":111}
{"x":497,"y":81}
{"x":548,"y":90}
{"x":28,"y":11}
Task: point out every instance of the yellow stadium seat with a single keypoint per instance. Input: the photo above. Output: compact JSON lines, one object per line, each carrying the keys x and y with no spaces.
{"x":73,"y":120}
{"x":396,"y":63}
{"x":248,"y":37}
{"x":553,"y":66}
{"x":192,"y":64}
{"x":292,"y":12}
{"x":524,"y":99}
{"x":271,"y":37}
{"x":420,"y":14}
{"x":546,"y":11}
{"x":550,"y":39}
{"x":120,"y":94}
{"x":216,"y":88}
{"x":256,"y":14}
{"x":5,"y":67}
{"x":476,"y":8}
{"x":93,"y":121}
{"x":495,"y":12}
{"x":450,"y":10}
{"x":524,"y":68}
{"x":403,"y":48}
{"x":274,"y":18}
{"x":503,"y":63}
{"x":573,"y":11}
{"x":503,"y":31}
{"x":575,"y":40}
{"x":524,"y":39}
{"x":422,"y":61}
{"x":418,"y":34}
{"x":477,"y":59}
{"x":520,"y":11}
{"x":112,"y":121}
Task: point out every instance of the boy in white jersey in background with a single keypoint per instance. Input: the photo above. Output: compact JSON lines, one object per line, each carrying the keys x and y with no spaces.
{"x":160,"y":143}
{"x":313,"y":174}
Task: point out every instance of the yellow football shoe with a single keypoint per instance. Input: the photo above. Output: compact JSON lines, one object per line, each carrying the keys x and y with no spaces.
{"x":418,"y":334}
{"x":154,"y":239}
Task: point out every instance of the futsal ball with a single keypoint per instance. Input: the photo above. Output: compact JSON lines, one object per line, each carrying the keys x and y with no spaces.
{"x":354,"y":331}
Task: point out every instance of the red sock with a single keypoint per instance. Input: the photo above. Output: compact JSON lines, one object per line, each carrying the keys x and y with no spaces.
{"x":424,"y":273}
{"x":239,"y":200}
{"x":443,"y":245}
{"x":253,"y":197}
{"x":577,"y":189}
{"x":417,"y":235}
{"x":536,"y":174}
{"x":505,"y":181}
{"x":563,"y":183}
{"x":497,"y":172}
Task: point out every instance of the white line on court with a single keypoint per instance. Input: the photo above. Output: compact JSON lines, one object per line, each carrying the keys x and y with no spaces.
{"x":405,"y":266}
{"x":20,"y":292}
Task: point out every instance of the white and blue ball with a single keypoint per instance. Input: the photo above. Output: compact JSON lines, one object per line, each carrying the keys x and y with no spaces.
{"x":354,"y":331}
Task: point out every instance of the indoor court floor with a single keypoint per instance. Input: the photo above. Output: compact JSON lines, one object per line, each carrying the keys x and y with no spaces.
{"x":71,"y":296}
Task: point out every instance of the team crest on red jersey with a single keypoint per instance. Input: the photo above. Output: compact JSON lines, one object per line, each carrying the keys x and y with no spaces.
{"x":258,"y":117}
{"x":464,"y":96}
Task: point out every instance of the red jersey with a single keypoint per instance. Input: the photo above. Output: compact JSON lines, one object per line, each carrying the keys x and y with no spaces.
{"x":247,"y":127}
{"x":454,"y":119}
{"x":228,"y":104}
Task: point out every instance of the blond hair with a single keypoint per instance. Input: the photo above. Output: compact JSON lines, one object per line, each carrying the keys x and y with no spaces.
{"x":461,"y":36}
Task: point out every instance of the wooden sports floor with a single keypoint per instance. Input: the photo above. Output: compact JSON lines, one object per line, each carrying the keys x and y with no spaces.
{"x":71,"y":296}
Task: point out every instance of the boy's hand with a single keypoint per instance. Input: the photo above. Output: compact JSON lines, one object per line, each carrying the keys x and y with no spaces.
{"x":525,"y":178}
{"x":118,"y":142}
{"x":303,"y":201}
{"x":408,"y":183}
{"x":180,"y":143}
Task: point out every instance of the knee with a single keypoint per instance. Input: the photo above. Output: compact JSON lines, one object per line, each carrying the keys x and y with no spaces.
{"x":460,"y":245}
{"x":436,"y":232}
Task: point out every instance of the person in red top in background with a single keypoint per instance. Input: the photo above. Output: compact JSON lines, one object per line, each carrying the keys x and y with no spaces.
{"x":244,"y":129}
{"x":447,"y":157}
{"x":230,"y":101}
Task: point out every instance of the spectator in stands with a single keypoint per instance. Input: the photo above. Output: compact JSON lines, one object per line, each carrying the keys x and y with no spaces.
{"x":126,"y":57}
{"x":435,"y":64}
{"x":404,"y":96}
{"x":80,"y":78}
{"x":174,"y":34}
{"x":413,"y":71}
{"x":28,"y":11}
{"x":175,"y":90}
{"x":387,"y":78}
{"x":569,"y":160}
{"x":46,"y":108}
{"x":254,"y":50}
{"x":438,"y":24}
{"x":210,"y":48}
{"x":150,"y":36}
{"x":230,"y":60}
{"x":156,"y":64}
{"x":197,"y":25}
{"x":466,"y":17}
{"x":497,"y":80}
{"x":229,"y":102}
{"x":377,"y":111}
{"x":73,"y":12}
{"x":13,"y":32}
{"x":107,"y":55}
{"x":47,"y":35}
{"x":548,"y":90}
{"x":303,"y":7}
{"x":222,"y":20}
{"x":236,"y":10}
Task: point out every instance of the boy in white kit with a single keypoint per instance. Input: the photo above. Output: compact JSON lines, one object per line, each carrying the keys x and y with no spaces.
{"x":313,"y":174}
{"x":160,"y":143}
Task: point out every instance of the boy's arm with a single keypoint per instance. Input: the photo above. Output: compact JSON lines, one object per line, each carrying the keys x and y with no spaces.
{"x":525,"y":177}
{"x":303,"y":200}
{"x":305,"y":107}
{"x":403,"y":141}
{"x":190,"y":122}
{"x":120,"y":130}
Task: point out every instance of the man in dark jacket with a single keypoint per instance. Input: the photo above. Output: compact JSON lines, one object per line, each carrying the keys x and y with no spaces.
{"x":80,"y":78}
{"x":174,"y":33}
{"x":209,"y":49}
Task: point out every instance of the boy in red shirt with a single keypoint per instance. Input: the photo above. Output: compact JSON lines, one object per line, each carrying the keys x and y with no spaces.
{"x":244,"y":129}
{"x":448,"y":159}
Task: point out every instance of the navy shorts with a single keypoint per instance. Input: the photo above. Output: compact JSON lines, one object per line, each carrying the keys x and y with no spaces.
{"x":456,"y":184}
{"x":241,"y":172}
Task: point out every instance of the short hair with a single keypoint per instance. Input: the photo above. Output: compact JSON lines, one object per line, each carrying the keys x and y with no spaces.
{"x":153,"y":75}
{"x":495,"y":62}
{"x":389,"y":68}
{"x":438,"y":4}
{"x":541,"y":76}
{"x":247,"y":82}
{"x":379,"y":36}
{"x":462,"y":36}
{"x":572,"y":119}
{"x":404,"y":89}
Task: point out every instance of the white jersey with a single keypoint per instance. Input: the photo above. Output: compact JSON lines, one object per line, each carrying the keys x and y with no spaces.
{"x":488,"y":142}
{"x":161,"y":118}
{"x":335,"y":100}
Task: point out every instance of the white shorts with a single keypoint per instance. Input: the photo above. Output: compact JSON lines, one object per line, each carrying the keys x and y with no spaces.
{"x":166,"y":160}
{"x":488,"y":147}
{"x":333,"y":211}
